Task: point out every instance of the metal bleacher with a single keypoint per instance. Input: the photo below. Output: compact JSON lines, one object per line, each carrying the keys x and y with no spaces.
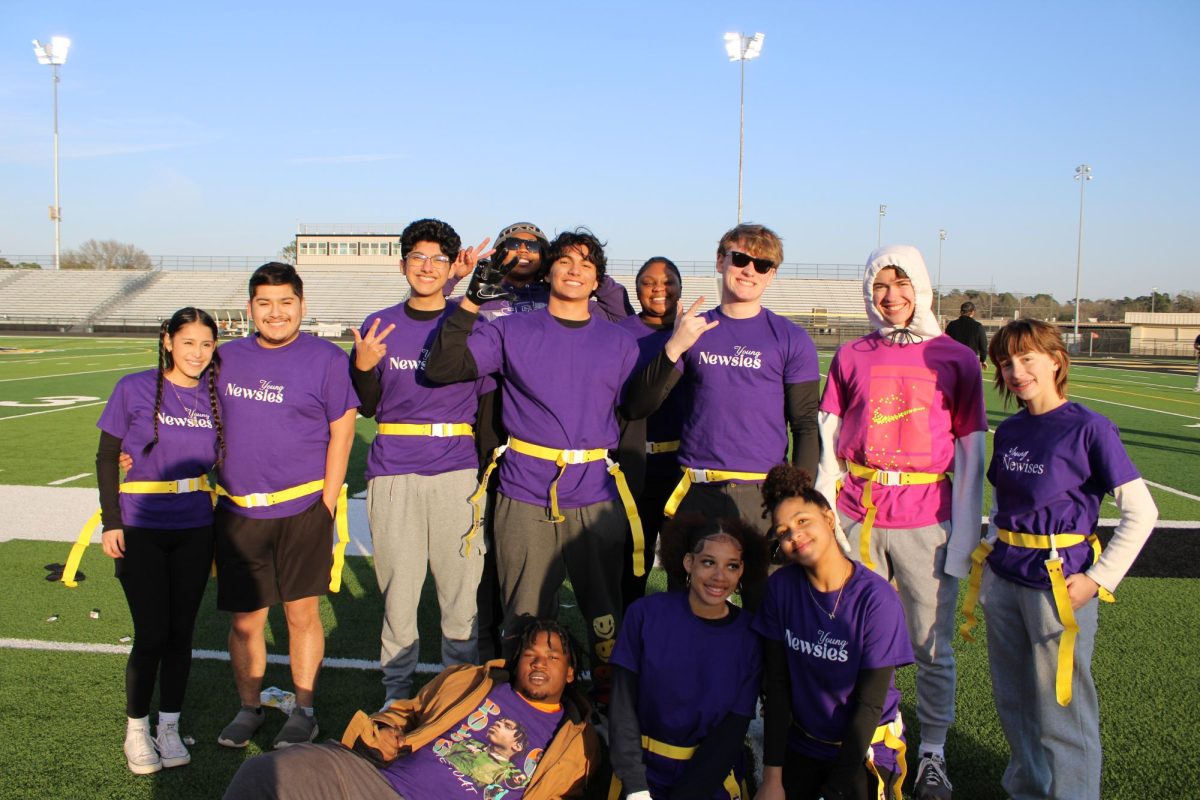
{"x":61,"y":297}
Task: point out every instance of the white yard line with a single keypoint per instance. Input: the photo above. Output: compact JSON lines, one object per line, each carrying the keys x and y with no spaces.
{"x":52,"y":410}
{"x":61,"y":481}
{"x":1172,"y":491}
{"x":1136,"y":408}
{"x":207,"y":655}
{"x":70,"y":374}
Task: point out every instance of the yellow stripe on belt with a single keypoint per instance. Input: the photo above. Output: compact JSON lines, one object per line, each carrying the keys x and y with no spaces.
{"x":691,"y":476}
{"x":653,"y":448}
{"x":564,"y":459}
{"x":883,"y":477}
{"x":1058,"y":589}
{"x":181,"y":486}
{"x":438,"y":430}
{"x":736,"y":790}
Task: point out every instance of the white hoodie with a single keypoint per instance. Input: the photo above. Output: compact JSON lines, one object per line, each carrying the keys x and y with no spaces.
{"x":924,"y":323}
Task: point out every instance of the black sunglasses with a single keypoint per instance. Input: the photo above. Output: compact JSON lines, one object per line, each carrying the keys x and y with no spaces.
{"x":515,"y":244}
{"x":761,"y":265}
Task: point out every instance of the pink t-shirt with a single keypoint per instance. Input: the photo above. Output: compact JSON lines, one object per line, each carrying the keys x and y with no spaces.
{"x":902,"y":407}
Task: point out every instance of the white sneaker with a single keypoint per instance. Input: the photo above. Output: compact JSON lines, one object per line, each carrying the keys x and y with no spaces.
{"x":170,"y":747}
{"x":140,"y":755}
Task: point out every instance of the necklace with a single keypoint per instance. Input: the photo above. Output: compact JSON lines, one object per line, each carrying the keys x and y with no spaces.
{"x":191,"y":412}
{"x":837,"y":602}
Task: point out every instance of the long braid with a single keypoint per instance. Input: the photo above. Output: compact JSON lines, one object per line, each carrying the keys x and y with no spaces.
{"x":213,"y":370}
{"x":163,"y":358}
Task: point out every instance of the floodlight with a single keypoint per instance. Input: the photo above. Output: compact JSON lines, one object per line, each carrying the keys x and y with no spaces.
{"x":54,"y":54}
{"x":754,"y":47}
{"x":733,"y":46}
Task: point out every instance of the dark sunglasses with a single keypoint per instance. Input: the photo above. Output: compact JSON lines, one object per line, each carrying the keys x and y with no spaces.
{"x":514,"y":244}
{"x":761,"y":265}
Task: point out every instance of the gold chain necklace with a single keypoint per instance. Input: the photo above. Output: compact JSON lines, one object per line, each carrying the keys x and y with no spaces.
{"x":837,"y":602}
{"x":191,"y":412}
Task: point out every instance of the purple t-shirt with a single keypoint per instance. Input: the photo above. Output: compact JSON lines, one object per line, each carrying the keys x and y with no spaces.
{"x":825,"y":655}
{"x":612,"y":300}
{"x":561,"y":388}
{"x":407,"y":396}
{"x":736,"y":374}
{"x":665,"y":424}
{"x":491,"y":753}
{"x":691,"y":674}
{"x":902,"y":408}
{"x":186,"y":448}
{"x":276,"y":407}
{"x":1050,"y":472}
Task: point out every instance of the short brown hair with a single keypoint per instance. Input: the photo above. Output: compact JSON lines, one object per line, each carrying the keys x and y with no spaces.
{"x":762,"y":240}
{"x":1026,"y":336}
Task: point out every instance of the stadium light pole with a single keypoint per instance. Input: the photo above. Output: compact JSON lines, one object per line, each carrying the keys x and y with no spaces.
{"x":1153,"y":297}
{"x":54,"y":55}
{"x":941,"y":241}
{"x":879,"y":228}
{"x":743,"y":48}
{"x":1083,"y":174}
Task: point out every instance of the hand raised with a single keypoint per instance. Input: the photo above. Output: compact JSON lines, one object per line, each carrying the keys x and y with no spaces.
{"x":689,"y":326}
{"x":468,"y":257}
{"x":369,"y":350}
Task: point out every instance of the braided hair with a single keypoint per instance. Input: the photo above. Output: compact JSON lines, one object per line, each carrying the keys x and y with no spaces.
{"x":166,"y":363}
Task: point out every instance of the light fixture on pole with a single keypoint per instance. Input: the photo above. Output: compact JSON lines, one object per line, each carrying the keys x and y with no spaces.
{"x":54,"y":55}
{"x":743,"y":48}
{"x":941,"y":241}
{"x":1083,"y":174}
{"x":879,"y":230}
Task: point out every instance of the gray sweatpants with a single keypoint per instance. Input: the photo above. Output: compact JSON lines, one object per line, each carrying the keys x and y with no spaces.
{"x":534,"y":556}
{"x":915,"y":558}
{"x":419,"y":520}
{"x":309,"y":772}
{"x":1055,"y":750}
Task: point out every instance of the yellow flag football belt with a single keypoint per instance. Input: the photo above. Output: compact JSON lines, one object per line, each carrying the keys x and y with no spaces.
{"x":691,"y":476}
{"x":890,"y":734}
{"x":438,"y":430}
{"x":736,"y":791}
{"x":1058,"y":588}
{"x":341,"y":522}
{"x":653,"y":448}
{"x":883,"y":477}
{"x":564,"y":459}
{"x":182,"y":486}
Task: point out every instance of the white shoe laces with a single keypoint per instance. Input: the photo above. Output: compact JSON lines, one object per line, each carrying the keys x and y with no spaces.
{"x":168,"y":742}
{"x":933,"y":772}
{"x":139,"y":747}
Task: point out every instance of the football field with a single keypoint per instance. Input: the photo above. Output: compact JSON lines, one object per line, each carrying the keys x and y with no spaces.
{"x":62,"y":671}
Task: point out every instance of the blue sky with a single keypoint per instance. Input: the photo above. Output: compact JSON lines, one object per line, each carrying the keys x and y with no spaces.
{"x":214,"y":128}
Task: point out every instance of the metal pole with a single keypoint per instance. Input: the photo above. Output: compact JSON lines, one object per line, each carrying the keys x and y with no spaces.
{"x":1082,"y":173}
{"x":941,"y":241}
{"x":57,"y":208}
{"x":741,"y":130}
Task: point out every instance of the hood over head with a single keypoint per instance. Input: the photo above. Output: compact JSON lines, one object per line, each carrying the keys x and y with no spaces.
{"x":924,"y":323}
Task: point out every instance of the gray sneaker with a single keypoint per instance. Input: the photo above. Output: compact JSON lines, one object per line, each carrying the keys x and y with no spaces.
{"x":239,"y":732}
{"x":298,"y":729}
{"x":932,"y":783}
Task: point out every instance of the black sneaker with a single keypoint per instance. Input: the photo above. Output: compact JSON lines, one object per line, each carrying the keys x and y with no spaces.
{"x":298,"y":729}
{"x":243,"y":727}
{"x":932,"y":783}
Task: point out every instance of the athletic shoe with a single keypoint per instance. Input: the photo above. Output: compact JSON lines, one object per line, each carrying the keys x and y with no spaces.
{"x":932,"y":782}
{"x":239,"y":732}
{"x":140,"y":755}
{"x":299,"y":728}
{"x":170,"y":746}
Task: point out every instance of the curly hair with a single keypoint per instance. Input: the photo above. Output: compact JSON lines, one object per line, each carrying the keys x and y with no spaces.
{"x":784,"y":482}
{"x":527,"y":628}
{"x":687,"y":533}
{"x":431,"y":230}
{"x":580,"y":237}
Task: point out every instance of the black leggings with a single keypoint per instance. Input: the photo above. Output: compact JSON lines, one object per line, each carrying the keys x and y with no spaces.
{"x":803,"y":778}
{"x":163,"y":573}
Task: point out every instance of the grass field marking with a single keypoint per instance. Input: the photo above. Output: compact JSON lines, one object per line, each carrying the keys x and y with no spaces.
{"x":1172,"y":490}
{"x":125,"y":368}
{"x":1186,"y":400}
{"x":1089,"y":379}
{"x":61,"y":481}
{"x":1136,"y":408}
{"x":53,"y":410}
{"x":203,"y":655}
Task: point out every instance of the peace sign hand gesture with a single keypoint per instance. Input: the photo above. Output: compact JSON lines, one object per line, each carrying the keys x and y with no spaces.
{"x":468,"y":257}
{"x":689,"y":327}
{"x":369,"y":350}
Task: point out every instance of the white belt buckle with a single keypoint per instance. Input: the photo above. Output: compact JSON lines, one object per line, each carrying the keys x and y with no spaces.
{"x":573,"y":456}
{"x":257,"y":500}
{"x":698,"y":475}
{"x":887,"y":477}
{"x":439,"y":429}
{"x":187,"y":485}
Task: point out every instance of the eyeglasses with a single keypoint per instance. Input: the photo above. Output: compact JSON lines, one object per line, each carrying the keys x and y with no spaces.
{"x":514,"y":244}
{"x":761,"y":265}
{"x":419,"y":259}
